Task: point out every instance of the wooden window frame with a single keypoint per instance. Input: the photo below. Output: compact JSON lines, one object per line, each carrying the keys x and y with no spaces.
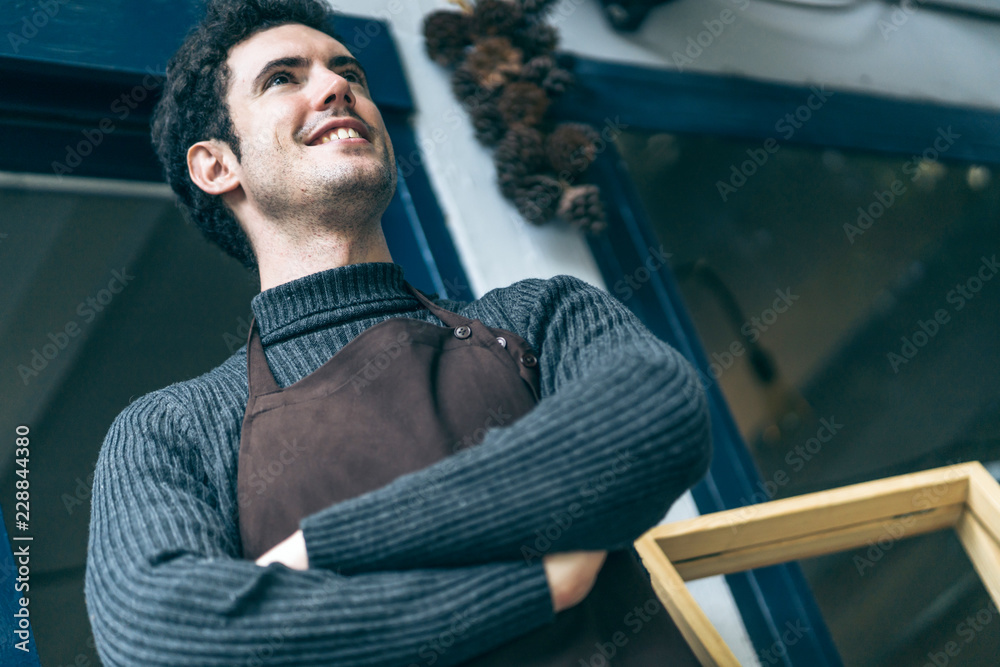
{"x":963,"y":497}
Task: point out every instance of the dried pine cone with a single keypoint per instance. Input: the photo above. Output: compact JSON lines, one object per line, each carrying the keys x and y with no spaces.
{"x":446,"y":35}
{"x":537,"y":198}
{"x":523,"y":103}
{"x":536,"y":69}
{"x":535,"y":8}
{"x":492,"y":18}
{"x":581,"y":207}
{"x":536,"y":39}
{"x":465,"y":86}
{"x":520,"y":154}
{"x":488,"y":123}
{"x":493,"y":60}
{"x":557,"y":81}
{"x":545,"y":72}
{"x":572,"y":147}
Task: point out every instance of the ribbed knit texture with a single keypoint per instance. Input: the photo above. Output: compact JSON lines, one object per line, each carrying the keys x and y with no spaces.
{"x":435,"y":567}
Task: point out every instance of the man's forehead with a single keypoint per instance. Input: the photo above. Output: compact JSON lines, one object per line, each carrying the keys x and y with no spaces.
{"x":291,"y":40}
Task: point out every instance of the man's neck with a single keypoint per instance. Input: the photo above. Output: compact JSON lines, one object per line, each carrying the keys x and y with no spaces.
{"x":282,"y":259}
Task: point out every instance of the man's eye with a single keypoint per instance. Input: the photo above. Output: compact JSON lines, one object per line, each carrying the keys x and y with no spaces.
{"x":353,"y":76}
{"x":280,"y":78}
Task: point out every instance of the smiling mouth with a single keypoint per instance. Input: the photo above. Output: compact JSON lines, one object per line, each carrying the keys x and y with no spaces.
{"x":340,"y":134}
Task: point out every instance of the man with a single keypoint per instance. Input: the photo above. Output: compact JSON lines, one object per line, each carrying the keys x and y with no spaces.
{"x":269,"y":136}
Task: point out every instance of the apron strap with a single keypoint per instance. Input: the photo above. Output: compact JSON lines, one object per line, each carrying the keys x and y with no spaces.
{"x":259,"y":376}
{"x":449,"y":318}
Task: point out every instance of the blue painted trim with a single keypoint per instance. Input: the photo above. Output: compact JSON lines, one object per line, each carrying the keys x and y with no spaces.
{"x":666,"y":101}
{"x":131,"y":39}
{"x":371,"y":42}
{"x":450,"y":279}
{"x":10,"y":604}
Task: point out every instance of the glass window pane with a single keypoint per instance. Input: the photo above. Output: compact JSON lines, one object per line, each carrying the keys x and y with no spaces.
{"x":849,"y":305}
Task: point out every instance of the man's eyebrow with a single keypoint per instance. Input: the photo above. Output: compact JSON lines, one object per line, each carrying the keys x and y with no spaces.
{"x":341,"y":61}
{"x":290,"y":62}
{"x":293,"y":62}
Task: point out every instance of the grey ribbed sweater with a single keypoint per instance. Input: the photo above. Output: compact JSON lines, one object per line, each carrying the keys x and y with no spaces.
{"x":436,"y":567}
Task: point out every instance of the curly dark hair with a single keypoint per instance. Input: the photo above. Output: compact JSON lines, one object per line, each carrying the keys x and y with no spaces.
{"x":193,"y":105}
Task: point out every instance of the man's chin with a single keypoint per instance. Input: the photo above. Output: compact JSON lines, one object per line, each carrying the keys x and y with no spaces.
{"x":368,"y":189}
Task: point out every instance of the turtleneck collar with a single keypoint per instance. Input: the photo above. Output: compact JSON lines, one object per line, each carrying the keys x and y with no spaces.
{"x":331,"y":297}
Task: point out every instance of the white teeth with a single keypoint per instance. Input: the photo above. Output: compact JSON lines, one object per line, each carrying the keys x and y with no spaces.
{"x":341,"y":133}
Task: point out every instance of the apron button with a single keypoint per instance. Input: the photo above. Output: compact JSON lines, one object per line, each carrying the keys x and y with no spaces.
{"x":463,"y":332}
{"x":502,"y":341}
{"x":529,"y":360}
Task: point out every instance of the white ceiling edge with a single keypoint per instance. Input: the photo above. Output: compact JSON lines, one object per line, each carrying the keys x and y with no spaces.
{"x":871,"y":46}
{"x":84,"y":186}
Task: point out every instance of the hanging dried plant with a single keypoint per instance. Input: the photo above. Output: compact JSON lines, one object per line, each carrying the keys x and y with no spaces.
{"x":572,"y":148}
{"x":488,"y":122}
{"x":493,"y":60}
{"x":447,"y":34}
{"x":581,"y":206}
{"x":545,"y":72}
{"x":523,"y":103}
{"x":496,"y":17}
{"x":467,"y":88}
{"x":535,"y":8}
{"x":536,"y":39}
{"x":537,"y":198}
{"x":506,"y":75}
{"x":519,"y":154}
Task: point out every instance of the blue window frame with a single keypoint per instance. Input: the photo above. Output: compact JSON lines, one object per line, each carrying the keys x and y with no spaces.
{"x":661,"y":101}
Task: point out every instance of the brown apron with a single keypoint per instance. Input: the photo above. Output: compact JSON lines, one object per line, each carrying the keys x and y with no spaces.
{"x":340,"y":432}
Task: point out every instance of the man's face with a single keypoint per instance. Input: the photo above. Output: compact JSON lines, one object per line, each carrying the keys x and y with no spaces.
{"x":313,"y":144}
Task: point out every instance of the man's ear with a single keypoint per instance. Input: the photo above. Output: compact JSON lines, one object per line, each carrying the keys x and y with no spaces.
{"x":213,"y":167}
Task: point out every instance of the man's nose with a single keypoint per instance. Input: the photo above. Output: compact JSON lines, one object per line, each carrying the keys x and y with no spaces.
{"x":334,"y":90}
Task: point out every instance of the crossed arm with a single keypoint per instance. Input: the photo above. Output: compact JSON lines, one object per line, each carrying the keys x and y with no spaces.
{"x":620,"y":433}
{"x":390,"y":570}
{"x":609,"y":478}
{"x":166,"y":585}
{"x":570,"y":576}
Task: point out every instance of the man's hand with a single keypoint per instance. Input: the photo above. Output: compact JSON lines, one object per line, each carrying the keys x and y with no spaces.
{"x":571,"y":576}
{"x":291,"y":551}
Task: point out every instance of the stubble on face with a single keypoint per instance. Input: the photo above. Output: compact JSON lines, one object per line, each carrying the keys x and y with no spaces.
{"x":341,"y":193}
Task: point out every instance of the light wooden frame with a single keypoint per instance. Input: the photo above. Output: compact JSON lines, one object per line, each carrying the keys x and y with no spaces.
{"x":964,"y":497}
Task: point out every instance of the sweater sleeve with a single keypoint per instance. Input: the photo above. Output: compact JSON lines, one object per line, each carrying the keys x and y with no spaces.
{"x":620,"y":433}
{"x":165,"y":584}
